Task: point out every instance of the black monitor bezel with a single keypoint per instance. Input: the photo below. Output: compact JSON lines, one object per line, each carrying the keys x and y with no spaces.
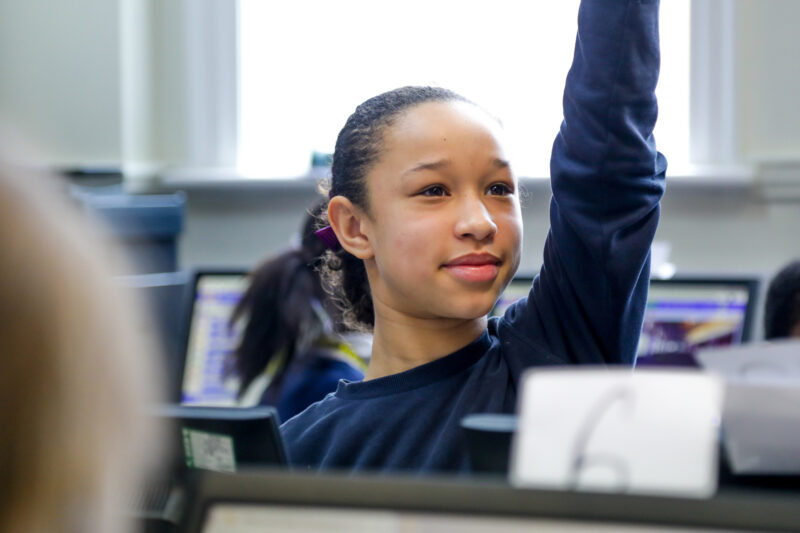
{"x":241,"y":424}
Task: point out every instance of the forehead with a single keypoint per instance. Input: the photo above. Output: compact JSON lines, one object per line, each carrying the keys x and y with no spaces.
{"x":448,"y":129}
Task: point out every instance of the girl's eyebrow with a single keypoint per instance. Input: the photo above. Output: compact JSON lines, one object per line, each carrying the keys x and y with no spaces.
{"x":435,"y":165}
{"x":496,"y":162}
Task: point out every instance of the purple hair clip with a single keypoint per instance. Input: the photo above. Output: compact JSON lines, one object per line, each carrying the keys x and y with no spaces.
{"x":328,"y":236}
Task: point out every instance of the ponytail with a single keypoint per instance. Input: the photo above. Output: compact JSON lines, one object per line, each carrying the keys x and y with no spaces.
{"x":278,"y":308}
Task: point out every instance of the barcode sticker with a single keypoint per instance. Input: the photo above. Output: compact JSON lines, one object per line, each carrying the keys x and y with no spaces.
{"x":209,"y":451}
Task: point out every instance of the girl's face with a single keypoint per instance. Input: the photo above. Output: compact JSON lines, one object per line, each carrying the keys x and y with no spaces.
{"x":444,"y":222}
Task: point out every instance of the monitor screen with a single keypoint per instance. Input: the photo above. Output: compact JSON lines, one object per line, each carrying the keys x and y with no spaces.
{"x":211,"y":339}
{"x":683,"y":316}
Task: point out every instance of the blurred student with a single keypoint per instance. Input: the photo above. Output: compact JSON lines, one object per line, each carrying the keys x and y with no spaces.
{"x":292,"y":352}
{"x":73,"y":376}
{"x":782,"y":309}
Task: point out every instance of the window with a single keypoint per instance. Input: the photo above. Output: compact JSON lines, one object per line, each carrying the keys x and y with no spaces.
{"x":304,"y":66}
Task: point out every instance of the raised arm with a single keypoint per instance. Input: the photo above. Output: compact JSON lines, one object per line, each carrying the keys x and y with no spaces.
{"x":587,"y":304}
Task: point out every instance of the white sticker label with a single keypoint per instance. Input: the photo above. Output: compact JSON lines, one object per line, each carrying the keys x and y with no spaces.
{"x":647,"y":432}
{"x":208,"y":451}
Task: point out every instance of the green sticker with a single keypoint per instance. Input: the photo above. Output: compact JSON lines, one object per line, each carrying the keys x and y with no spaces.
{"x":208,"y":451}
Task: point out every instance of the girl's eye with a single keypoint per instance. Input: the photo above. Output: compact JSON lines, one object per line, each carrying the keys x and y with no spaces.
{"x":500,"y":189}
{"x":434,"y":190}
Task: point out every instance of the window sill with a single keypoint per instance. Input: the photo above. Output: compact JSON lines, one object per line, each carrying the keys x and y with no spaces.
{"x":773,"y":182}
{"x":229,"y":180}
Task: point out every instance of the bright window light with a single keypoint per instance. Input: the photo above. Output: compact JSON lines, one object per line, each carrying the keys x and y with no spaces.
{"x":306,"y":64}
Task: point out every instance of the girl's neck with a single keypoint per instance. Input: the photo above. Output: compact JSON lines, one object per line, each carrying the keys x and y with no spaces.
{"x":400,"y":344}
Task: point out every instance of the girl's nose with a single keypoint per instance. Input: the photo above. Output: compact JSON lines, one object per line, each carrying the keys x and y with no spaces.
{"x":474,"y":220}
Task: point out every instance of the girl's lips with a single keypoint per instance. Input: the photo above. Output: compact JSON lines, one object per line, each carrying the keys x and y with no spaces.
{"x":474,"y":259}
{"x":474,"y":267}
{"x":474,"y":273}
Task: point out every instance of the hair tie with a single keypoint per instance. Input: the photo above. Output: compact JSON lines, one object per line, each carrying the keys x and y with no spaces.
{"x":328,"y":236}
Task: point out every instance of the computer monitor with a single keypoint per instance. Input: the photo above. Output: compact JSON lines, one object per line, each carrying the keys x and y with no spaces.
{"x":203,"y":439}
{"x":209,"y":338}
{"x":311,"y":502}
{"x":162,"y":295}
{"x":686,"y":314}
{"x":222,"y":439}
{"x":682,"y":315}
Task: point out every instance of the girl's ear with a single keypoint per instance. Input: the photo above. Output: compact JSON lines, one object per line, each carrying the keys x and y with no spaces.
{"x":348,"y":222}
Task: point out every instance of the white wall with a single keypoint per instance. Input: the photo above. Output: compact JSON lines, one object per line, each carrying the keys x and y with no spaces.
{"x":768,"y":80}
{"x":59,"y":78}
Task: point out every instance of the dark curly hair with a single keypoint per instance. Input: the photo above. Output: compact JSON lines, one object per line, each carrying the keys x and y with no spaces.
{"x":357,"y":147}
{"x":782,"y":309}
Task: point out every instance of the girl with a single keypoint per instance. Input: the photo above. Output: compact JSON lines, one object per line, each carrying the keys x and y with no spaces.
{"x":291,"y":353}
{"x":425,"y":207}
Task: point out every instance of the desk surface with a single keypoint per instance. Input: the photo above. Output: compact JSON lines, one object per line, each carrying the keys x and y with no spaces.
{"x":738,"y":508}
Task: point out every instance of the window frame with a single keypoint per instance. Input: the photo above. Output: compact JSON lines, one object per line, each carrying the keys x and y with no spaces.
{"x":212,"y":109}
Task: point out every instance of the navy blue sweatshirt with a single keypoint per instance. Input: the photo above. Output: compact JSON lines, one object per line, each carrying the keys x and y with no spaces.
{"x":585,"y":306}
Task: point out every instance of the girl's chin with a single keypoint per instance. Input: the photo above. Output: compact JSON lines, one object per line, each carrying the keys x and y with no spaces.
{"x":472,"y":312}
{"x":456,"y":311}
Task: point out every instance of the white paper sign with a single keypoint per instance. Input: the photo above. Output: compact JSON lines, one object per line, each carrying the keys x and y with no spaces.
{"x":760,"y":419}
{"x":649,"y":432}
{"x":758,"y":363}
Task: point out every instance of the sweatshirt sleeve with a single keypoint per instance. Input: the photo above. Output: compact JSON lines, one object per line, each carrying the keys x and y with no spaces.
{"x":587,"y":303}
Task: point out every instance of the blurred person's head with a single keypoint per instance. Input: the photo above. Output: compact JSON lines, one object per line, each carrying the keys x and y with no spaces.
{"x":782,"y":309}
{"x":73,"y":376}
